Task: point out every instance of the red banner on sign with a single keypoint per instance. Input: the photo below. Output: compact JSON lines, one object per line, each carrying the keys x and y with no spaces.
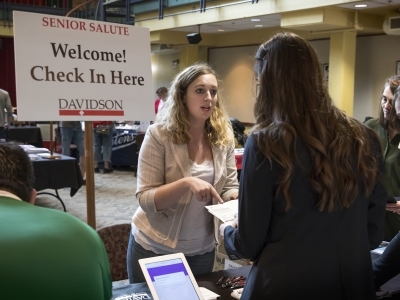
{"x":91,"y":112}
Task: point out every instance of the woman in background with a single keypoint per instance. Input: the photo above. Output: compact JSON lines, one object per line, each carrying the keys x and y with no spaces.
{"x":389,"y":136}
{"x":162,"y":93}
{"x":388,"y":264}
{"x":186,"y":161}
{"x":311,"y":205}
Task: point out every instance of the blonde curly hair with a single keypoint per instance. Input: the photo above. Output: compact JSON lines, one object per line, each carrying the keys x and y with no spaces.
{"x":174,"y":116}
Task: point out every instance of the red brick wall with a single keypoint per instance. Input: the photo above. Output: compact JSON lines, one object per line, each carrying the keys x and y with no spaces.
{"x":7,"y":74}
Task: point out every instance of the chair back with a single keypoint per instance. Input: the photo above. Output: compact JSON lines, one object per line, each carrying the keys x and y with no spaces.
{"x":139,"y":141}
{"x":115,"y":239}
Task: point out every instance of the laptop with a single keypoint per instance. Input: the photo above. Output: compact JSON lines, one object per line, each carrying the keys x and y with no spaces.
{"x":169,"y":277}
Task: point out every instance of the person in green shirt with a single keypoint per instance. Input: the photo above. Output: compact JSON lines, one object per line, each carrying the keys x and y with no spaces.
{"x":44,"y":253}
{"x":389,"y":137}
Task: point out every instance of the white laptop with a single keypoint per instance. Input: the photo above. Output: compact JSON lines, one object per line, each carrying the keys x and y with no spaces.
{"x":169,"y":277}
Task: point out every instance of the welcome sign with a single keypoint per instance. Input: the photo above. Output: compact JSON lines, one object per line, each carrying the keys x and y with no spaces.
{"x":71,"y":69}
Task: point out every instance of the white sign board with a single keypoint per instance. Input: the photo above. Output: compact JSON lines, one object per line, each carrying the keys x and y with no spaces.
{"x":71,"y":69}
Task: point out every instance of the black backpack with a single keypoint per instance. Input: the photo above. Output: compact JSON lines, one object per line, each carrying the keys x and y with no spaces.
{"x":238,"y":131}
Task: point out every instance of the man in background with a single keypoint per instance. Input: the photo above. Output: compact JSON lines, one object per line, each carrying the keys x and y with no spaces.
{"x":5,"y":111}
{"x":45,"y":253}
{"x":71,"y":132}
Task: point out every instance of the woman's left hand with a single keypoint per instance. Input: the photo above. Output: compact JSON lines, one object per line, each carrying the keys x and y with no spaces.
{"x":233,"y":223}
{"x":394,"y":207}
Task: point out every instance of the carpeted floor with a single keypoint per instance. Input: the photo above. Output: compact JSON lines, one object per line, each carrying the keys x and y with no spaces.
{"x":114,"y":195}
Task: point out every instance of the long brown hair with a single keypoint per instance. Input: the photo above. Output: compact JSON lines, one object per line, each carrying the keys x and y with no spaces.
{"x":293,"y":104}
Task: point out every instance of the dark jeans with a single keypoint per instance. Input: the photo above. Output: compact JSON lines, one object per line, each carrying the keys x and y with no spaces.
{"x":102,"y":145}
{"x":199,"y":264}
{"x":387,"y":265}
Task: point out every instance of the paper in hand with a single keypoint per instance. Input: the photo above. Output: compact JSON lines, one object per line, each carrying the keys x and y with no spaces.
{"x":225,"y":212}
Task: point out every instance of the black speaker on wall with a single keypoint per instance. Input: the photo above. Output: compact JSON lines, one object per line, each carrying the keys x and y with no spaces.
{"x":194,"y":38}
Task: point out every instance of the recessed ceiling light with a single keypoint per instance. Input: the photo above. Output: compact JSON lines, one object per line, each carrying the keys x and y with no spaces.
{"x":255,"y":20}
{"x":221,"y":29}
{"x":259,"y":25}
{"x":360,"y":5}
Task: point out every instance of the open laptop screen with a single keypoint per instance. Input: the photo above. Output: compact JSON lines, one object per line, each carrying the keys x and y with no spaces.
{"x":171,"y":280}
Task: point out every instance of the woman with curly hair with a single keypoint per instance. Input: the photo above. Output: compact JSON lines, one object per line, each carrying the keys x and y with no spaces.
{"x":311,"y":202}
{"x":186,"y":161}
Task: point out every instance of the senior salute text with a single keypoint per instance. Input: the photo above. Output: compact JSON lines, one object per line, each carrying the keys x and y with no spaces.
{"x":80,"y":25}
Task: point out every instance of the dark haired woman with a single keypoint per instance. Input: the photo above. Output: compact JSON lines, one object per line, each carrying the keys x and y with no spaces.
{"x":311,"y":203}
{"x":388,"y":264}
{"x":389,"y":136}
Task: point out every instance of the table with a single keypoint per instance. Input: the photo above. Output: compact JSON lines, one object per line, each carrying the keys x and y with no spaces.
{"x":238,"y":160}
{"x":206,"y":280}
{"x":56,"y":174}
{"x":25,"y":134}
{"x":124,"y":151}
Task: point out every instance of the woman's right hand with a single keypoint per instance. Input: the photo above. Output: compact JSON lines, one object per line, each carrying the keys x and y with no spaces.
{"x":203,"y":191}
{"x":167,"y":194}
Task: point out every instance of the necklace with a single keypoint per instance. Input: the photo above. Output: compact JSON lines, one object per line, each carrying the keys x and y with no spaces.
{"x":200,"y":144}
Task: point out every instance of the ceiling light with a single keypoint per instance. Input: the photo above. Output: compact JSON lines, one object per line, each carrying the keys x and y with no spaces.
{"x":360,"y":5}
{"x":259,"y":25}
{"x":221,"y":29}
{"x":255,"y":20}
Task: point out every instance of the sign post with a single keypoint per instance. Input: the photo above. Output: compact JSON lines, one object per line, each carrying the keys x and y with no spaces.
{"x":90,"y":190}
